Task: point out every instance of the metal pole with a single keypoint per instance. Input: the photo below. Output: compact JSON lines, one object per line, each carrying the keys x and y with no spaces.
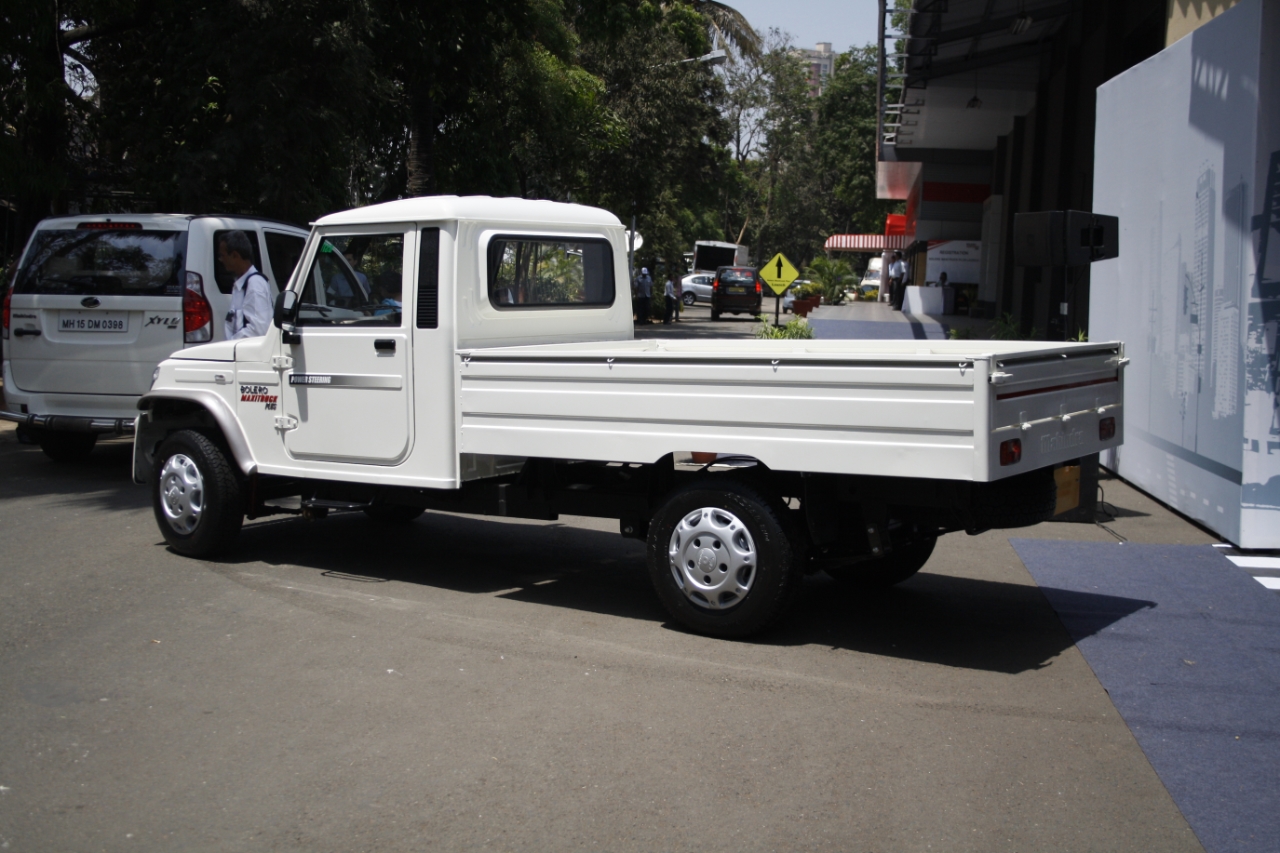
{"x":777,"y":309}
{"x":631,"y":246}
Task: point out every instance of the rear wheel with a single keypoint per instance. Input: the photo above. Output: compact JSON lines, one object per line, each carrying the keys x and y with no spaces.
{"x":893,"y":568}
{"x":722,"y":559}
{"x":689,"y":298}
{"x":68,"y":446}
{"x":196,"y":495}
{"x":715,"y":315}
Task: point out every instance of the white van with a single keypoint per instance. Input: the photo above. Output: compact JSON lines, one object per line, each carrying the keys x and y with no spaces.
{"x":99,"y":301}
{"x":871,"y":278}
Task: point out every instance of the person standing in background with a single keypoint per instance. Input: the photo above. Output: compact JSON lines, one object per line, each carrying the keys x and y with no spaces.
{"x":671,"y":301}
{"x":251,"y":311}
{"x":644,"y":296}
{"x":897,"y":277}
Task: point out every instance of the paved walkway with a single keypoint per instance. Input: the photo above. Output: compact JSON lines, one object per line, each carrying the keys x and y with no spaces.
{"x":877,"y":321}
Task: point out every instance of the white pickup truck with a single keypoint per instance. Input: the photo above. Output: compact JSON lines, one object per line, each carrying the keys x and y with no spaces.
{"x":491,"y":369}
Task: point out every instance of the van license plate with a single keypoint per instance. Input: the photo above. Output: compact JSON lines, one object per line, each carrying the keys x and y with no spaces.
{"x":736,"y":289}
{"x":93,"y":321}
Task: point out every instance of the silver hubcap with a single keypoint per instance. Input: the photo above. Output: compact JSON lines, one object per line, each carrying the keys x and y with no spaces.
{"x":713,"y":558}
{"x":181,"y":493}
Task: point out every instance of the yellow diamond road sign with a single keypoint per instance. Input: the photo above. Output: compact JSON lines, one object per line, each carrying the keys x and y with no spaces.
{"x":779,"y":273}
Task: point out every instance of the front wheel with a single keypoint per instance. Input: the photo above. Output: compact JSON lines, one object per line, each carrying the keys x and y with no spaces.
{"x":722,"y":558}
{"x":196,"y":495}
{"x":68,"y":446}
{"x":689,"y":298}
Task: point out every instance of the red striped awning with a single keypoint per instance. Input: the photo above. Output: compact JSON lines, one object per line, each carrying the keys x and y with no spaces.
{"x":866,"y":242}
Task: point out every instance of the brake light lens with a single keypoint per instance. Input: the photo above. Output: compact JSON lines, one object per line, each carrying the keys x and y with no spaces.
{"x":197,"y":313}
{"x":8,"y":297}
{"x":109,"y":226}
{"x":1106,"y":426}
{"x":757,"y":287}
{"x":715,"y":284}
{"x":1010,"y":452}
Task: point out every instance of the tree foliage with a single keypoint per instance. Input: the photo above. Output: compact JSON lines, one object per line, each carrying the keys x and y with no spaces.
{"x":295,"y":108}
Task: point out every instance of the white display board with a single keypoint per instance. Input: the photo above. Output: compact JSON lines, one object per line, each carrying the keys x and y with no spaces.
{"x":960,"y":260}
{"x":1187,"y":154}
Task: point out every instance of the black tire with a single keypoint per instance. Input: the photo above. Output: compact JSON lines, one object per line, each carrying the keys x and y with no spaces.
{"x":393,"y":513}
{"x":715,"y":315}
{"x":68,"y":446}
{"x":689,"y":298}
{"x":213,"y":528}
{"x":776,"y":564}
{"x":895,"y":567}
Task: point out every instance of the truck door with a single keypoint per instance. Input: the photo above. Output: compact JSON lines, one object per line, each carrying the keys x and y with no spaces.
{"x":346,"y":397}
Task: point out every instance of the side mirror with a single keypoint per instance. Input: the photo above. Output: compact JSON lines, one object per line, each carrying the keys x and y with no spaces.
{"x":286,"y":309}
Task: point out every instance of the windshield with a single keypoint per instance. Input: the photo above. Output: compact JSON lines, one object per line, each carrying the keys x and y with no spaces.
{"x":104,"y":263}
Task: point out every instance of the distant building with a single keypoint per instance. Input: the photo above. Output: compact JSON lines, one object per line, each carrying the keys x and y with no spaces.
{"x":820,"y":63}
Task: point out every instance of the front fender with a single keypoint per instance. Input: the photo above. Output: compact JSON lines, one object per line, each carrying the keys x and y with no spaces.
{"x":169,"y":409}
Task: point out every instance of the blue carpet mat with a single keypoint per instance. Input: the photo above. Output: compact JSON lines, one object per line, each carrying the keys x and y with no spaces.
{"x":1194,"y":669}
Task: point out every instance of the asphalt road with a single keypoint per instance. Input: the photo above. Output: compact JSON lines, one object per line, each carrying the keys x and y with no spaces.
{"x":465,"y":683}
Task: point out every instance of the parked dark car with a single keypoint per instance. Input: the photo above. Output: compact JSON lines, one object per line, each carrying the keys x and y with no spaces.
{"x":736,"y":290}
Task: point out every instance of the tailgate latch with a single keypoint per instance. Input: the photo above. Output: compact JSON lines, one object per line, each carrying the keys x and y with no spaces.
{"x":1118,"y":360}
{"x":999,"y":377}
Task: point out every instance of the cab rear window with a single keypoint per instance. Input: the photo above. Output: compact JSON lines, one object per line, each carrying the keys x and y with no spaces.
{"x":549,"y":272}
{"x":104,"y":263}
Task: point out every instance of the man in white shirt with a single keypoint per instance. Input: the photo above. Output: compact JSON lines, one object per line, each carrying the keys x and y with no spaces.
{"x":250,"y":314}
{"x":897,"y":284}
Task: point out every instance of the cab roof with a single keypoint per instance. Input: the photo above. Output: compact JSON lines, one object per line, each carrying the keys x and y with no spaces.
{"x":478,"y":207}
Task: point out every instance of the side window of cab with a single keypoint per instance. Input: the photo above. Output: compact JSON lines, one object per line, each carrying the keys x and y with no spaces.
{"x":355,"y":280}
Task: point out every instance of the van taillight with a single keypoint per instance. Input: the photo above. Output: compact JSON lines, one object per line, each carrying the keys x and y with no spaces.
{"x":8,"y":297}
{"x":197,"y":313}
{"x":1011,"y":451}
{"x":1106,"y":426}
{"x":757,"y":287}
{"x":715,"y":284}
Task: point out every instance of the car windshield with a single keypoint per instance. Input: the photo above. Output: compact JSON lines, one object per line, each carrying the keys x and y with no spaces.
{"x":104,"y":263}
{"x":737,"y":277}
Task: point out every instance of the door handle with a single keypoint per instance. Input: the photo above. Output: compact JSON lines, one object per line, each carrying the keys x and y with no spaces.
{"x":22,"y":333}
{"x":384,"y":345}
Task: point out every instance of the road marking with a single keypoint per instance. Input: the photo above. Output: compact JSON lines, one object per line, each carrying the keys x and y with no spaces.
{"x":1269,"y":583}
{"x":1256,"y":562}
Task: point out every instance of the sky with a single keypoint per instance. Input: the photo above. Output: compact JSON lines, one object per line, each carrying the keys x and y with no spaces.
{"x":844,"y":23}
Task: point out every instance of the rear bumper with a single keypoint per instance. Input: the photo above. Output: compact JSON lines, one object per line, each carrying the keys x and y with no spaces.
{"x":71,"y":423}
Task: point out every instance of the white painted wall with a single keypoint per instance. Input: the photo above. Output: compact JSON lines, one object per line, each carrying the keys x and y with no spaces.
{"x":1183,"y":146}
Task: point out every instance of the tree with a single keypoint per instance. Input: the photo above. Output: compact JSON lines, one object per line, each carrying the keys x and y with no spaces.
{"x":834,"y":277}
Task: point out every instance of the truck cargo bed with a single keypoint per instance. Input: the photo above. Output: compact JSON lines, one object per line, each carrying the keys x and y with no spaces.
{"x":935,"y":409}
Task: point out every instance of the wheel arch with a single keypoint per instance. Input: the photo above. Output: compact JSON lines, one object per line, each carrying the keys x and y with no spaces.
{"x":173,"y":409}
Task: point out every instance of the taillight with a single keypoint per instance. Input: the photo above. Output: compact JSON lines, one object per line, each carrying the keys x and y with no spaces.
{"x":197,"y":313}
{"x":715,"y":284}
{"x":8,"y":297}
{"x":757,"y":288}
{"x":1010,"y":451}
{"x":1106,"y":426}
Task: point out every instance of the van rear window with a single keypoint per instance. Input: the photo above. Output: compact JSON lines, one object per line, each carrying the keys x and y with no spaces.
{"x":104,"y":263}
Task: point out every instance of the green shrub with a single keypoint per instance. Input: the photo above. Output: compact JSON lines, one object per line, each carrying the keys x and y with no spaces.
{"x":796,"y":329}
{"x":832,"y":278}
